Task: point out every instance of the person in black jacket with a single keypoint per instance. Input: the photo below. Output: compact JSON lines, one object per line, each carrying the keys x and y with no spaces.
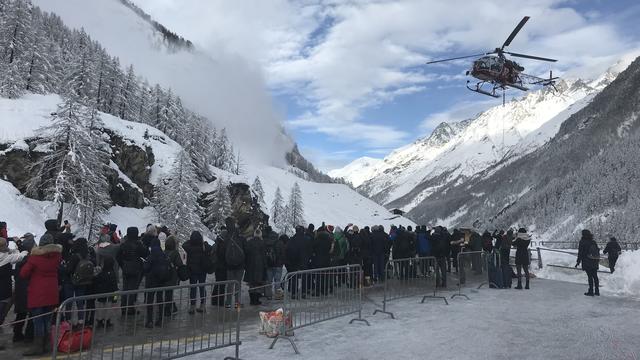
{"x":521,"y":243}
{"x":218,"y":291}
{"x":275,"y":254}
{"x":196,"y":250}
{"x":380,"y":244}
{"x":613,"y":250}
{"x":130,"y":256}
{"x":159,"y":273}
{"x":441,"y":249}
{"x":235,"y":256}
{"x":296,"y":259}
{"x":104,"y":283}
{"x":256,"y":266}
{"x":321,"y":259}
{"x":588,"y":256}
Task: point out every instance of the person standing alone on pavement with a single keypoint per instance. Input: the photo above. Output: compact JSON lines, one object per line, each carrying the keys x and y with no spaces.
{"x":589,"y":255}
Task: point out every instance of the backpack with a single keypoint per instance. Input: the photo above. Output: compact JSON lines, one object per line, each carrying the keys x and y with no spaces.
{"x":83,"y":273}
{"x":234,"y":255}
{"x":594,"y":251}
{"x":210,"y":259}
{"x":161,"y":267}
{"x":270,"y":254}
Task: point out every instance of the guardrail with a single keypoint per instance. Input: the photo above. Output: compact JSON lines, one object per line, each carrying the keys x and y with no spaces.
{"x":165,"y":325}
{"x":318,"y":295}
{"x":410,"y":277}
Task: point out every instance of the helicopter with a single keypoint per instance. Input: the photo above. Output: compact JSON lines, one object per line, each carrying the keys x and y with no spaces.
{"x":494,"y":69}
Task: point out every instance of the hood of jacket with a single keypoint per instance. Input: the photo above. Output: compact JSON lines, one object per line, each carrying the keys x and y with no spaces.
{"x":46,"y":249}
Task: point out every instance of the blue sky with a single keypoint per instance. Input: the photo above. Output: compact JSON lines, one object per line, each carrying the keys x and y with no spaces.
{"x":349,"y":77}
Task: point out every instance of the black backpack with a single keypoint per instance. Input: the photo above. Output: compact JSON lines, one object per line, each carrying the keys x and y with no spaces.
{"x":270,"y":253}
{"x":234,"y":255}
{"x":161,"y":267}
{"x":83,"y":273}
{"x":594,"y":251}
{"x":210,"y":258}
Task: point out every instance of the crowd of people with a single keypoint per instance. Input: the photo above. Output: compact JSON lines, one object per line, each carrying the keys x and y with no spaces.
{"x":36,"y":277}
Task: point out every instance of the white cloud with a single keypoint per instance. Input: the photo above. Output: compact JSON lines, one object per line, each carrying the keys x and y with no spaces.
{"x":344,"y":57}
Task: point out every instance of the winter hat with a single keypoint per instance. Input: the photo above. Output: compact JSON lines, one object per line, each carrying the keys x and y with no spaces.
{"x":45,"y":239}
{"x":28,"y":241}
{"x":132,"y":233}
{"x":355,"y":228}
{"x":51,"y":225}
{"x":613,"y":239}
{"x":3,"y":245}
{"x":330,"y":228}
{"x":586,"y":233}
{"x":522,"y":231}
{"x":196,"y":237}
{"x":113,"y":227}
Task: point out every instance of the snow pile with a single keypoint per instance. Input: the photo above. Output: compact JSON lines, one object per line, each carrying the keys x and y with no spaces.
{"x":625,"y":281}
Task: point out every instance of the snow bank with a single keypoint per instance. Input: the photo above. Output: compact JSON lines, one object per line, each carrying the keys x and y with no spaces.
{"x":625,"y":281}
{"x":22,"y":214}
{"x":22,"y":117}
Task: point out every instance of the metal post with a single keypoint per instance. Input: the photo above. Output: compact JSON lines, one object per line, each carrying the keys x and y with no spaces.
{"x":539,"y":258}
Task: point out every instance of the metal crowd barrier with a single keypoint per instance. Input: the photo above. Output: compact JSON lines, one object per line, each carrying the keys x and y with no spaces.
{"x":150,"y":323}
{"x":410,"y":277}
{"x":472,"y":271}
{"x":573,"y":253}
{"x":318,"y":295}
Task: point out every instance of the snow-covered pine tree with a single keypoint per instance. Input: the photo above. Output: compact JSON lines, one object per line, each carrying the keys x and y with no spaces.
{"x":258,"y":190}
{"x":176,"y":199}
{"x":17,"y":33}
{"x":294,"y":211}
{"x":220,"y":208}
{"x":73,"y":170}
{"x":278,"y":215}
{"x":130,"y":96}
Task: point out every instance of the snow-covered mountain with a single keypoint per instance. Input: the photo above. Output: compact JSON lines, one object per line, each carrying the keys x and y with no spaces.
{"x":460,"y":151}
{"x":358,"y":171}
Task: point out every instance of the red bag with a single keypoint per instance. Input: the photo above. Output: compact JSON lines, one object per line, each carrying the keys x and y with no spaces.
{"x":64,"y":328}
{"x":74,"y":341}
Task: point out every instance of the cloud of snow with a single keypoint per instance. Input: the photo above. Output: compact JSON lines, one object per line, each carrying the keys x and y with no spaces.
{"x":224,"y":87}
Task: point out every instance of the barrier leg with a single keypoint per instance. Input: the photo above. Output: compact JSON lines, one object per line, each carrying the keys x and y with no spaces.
{"x":293,"y":344}
{"x":434,"y":297}
{"x":359,"y":318}
{"x":462,"y":295}
{"x":384,"y":310}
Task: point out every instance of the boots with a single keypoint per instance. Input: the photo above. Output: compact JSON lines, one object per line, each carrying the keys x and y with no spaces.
{"x":519,"y":287}
{"x":526,"y":286}
{"x":589,"y":292}
{"x":192,"y":310}
{"x":37,"y":347}
{"x":597,"y":292}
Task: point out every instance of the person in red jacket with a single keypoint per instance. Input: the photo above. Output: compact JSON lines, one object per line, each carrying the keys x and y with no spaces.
{"x":41,"y":269}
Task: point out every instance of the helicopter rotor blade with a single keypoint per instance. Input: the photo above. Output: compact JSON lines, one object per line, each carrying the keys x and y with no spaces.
{"x":459,"y":57}
{"x":515,"y":32}
{"x":530,"y":57}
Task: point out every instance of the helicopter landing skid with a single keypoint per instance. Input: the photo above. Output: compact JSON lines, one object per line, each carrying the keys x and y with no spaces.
{"x":479,"y":90}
